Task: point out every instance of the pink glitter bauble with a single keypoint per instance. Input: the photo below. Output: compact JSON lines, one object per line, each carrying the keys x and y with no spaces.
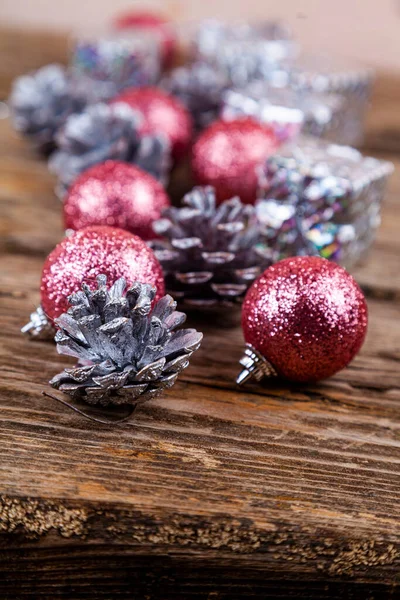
{"x":163,"y":114}
{"x":307,"y":316}
{"x":117,"y":194}
{"x":96,"y":251}
{"x":227,"y":154}
{"x":151,"y":23}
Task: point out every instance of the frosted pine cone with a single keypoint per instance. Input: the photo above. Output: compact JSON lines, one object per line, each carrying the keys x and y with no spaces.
{"x":128,"y":351}
{"x":41,"y":102}
{"x":199,"y":87}
{"x":210,"y":255}
{"x":103,"y":132}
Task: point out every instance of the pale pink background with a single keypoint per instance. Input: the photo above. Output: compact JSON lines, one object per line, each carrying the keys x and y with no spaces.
{"x":367,"y":30}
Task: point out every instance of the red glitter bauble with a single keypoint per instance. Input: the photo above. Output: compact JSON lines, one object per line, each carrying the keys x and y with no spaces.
{"x":161,"y":113}
{"x":151,"y":23}
{"x":307,"y":316}
{"x":117,"y":194}
{"x":227,"y":154}
{"x":94,"y":251}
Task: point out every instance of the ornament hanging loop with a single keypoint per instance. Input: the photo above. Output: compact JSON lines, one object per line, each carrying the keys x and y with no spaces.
{"x":255,"y":366}
{"x":127,"y":416}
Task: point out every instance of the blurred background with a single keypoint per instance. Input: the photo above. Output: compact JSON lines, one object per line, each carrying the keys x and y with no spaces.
{"x":366,"y":30}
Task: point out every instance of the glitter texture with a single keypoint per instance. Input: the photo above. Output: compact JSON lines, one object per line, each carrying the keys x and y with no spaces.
{"x":162,"y":114}
{"x":325,"y":194}
{"x":90,"y":252}
{"x":151,"y":24}
{"x":306,"y":316}
{"x":116,"y":194}
{"x":227,"y":155}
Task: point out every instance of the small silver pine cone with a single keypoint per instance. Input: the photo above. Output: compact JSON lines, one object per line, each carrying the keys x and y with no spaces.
{"x":199,"y":87}
{"x":128,"y":351}
{"x":103,"y":132}
{"x":210,"y":254}
{"x":41,"y":102}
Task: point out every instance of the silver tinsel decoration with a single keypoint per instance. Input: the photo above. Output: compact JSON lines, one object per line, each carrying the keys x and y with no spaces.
{"x":128,"y":349}
{"x":199,"y":86}
{"x":102,"y":132}
{"x":210,"y":254}
{"x":41,"y":102}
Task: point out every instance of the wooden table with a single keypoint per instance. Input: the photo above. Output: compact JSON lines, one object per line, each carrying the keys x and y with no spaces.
{"x":274,"y":491}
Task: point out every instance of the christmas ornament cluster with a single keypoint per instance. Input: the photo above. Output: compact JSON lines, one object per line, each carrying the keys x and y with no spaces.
{"x":228,"y":179}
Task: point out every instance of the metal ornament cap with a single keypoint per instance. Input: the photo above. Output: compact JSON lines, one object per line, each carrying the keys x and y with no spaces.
{"x":255,"y":366}
{"x":39,"y":327}
{"x":306,"y":316}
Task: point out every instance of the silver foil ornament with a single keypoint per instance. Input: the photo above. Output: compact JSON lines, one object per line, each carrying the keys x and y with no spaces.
{"x":329,"y":75}
{"x":129,"y":348}
{"x":329,"y":195}
{"x":117,"y":61}
{"x":243,"y":51}
{"x":286,"y":110}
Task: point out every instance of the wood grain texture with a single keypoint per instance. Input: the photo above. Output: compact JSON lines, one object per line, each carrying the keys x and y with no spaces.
{"x":274,"y":491}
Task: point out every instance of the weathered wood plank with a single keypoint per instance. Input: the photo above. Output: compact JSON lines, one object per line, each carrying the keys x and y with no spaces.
{"x":314,"y":465}
{"x":24,"y":50}
{"x":273,"y":491}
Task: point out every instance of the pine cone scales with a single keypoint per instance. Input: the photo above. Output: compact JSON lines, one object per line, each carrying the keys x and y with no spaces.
{"x":128,"y":352}
{"x":102,"y":132}
{"x":41,"y":102}
{"x":199,"y":87}
{"x":209,"y":254}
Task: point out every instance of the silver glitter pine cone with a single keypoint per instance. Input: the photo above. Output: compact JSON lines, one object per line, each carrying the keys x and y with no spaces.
{"x":127,"y":349}
{"x":103,"y":132}
{"x":199,"y":86}
{"x":210,"y":254}
{"x":41,"y":102}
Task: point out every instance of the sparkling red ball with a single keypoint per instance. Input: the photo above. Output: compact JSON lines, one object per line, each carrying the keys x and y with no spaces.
{"x":307,"y":316}
{"x":93,"y":251}
{"x":116,"y":194}
{"x":163,"y":114}
{"x":151,"y":23}
{"x":227,"y":154}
